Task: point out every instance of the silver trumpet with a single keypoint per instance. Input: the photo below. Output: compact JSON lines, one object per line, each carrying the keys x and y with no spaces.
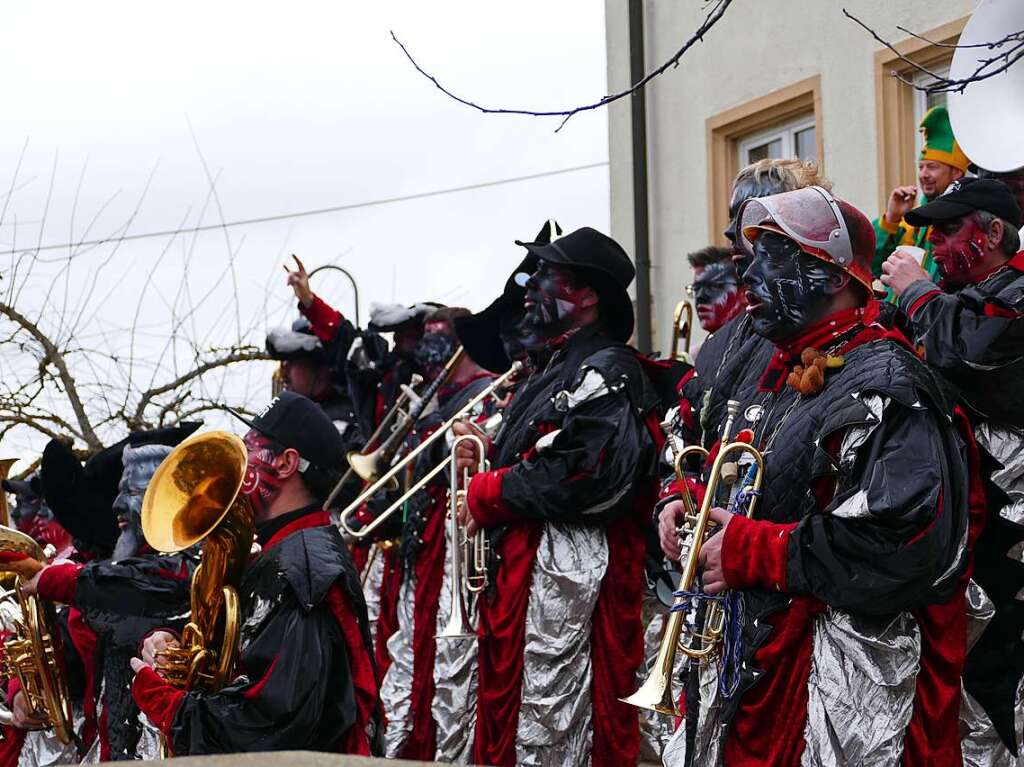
{"x":468,"y":553}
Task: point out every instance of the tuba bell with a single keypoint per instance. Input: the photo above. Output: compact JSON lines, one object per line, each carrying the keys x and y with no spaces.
{"x":195,"y":496}
{"x":34,"y":655}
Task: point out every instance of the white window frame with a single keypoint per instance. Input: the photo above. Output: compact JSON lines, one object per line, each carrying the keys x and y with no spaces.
{"x":786,"y":132}
{"x":921,"y":104}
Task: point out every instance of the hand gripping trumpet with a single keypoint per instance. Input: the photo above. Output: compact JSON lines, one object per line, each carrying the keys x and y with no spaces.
{"x":468,"y":553}
{"x":345,"y":519}
{"x":701,"y":645}
{"x":34,"y":655}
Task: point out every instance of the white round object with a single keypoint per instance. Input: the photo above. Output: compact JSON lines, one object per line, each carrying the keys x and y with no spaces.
{"x":987,"y":116}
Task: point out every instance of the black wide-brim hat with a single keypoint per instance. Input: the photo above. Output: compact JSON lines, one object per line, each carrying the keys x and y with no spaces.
{"x":603,"y":264}
{"x":480,"y":334}
{"x":82,"y":496}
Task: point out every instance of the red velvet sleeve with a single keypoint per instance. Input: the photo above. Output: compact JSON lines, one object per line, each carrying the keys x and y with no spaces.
{"x":485,"y":502}
{"x":157,"y":699}
{"x":754,"y":553}
{"x":323,"y":319}
{"x":57,"y":582}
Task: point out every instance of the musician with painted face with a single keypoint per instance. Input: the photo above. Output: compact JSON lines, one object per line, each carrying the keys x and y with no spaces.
{"x":305,"y":674}
{"x":971,"y":329}
{"x":715,"y":289}
{"x":566,"y":502}
{"x":857,"y":545}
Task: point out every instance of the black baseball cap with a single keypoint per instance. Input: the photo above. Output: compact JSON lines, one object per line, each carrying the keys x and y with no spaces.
{"x":297,"y":422}
{"x":967,"y":195}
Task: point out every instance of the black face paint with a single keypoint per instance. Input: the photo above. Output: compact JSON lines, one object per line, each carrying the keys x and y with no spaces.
{"x":787,"y":289}
{"x":551,"y":304}
{"x":433,"y":351}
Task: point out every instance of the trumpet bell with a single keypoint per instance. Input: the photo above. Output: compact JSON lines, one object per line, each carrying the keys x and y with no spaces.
{"x":193,"y":490}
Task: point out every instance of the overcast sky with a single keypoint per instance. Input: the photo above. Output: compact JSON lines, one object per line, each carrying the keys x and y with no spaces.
{"x":294,"y":107}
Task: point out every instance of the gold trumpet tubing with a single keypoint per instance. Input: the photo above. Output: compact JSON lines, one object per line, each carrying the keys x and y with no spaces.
{"x":413,"y":454}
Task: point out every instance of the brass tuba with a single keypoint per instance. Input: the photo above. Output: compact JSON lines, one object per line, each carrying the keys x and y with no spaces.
{"x":656,"y":692}
{"x":194,"y":496}
{"x":682,"y":330}
{"x":34,"y":655}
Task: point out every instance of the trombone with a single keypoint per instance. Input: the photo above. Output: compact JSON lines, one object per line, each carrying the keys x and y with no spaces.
{"x":396,"y":414}
{"x":468,"y":553}
{"x":701,"y":645}
{"x":385,"y":480}
{"x":681,"y":331}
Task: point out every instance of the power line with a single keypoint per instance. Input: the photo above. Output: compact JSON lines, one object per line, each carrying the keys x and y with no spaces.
{"x":304,"y":213}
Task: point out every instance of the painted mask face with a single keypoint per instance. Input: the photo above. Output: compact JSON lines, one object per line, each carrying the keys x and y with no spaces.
{"x":787,"y":290}
{"x":140,"y":463}
{"x":433,"y":351}
{"x":262,"y":484}
{"x":554,"y":303}
{"x":716,"y":294}
{"x":958,"y":247}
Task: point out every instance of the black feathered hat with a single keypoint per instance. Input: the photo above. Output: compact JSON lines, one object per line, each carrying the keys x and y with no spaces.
{"x":480,"y":333}
{"x":602,"y":263}
{"x":296,"y":343}
{"x":386,"y":318}
{"x":82,"y":496}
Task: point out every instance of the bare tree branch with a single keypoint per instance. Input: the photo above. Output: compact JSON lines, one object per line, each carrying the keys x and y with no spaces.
{"x":994,"y":65}
{"x":714,"y":15}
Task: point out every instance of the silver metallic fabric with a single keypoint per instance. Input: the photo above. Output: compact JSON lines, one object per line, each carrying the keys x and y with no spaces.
{"x":396,"y":689}
{"x":373,"y":574}
{"x":979,"y":612}
{"x":981,"y":745}
{"x":861,"y":688}
{"x":1007,"y":446}
{"x":149,"y":741}
{"x":656,"y":729}
{"x":555,"y":728}
{"x":709,"y":733}
{"x":42,"y":749}
{"x":455,"y":681}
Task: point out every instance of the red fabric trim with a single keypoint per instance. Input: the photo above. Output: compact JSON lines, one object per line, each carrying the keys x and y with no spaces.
{"x":485,"y":501}
{"x":360,"y":555}
{"x":421,"y":743}
{"x":653,"y":423}
{"x":501,"y":645}
{"x":768,"y":727}
{"x":754,"y":553}
{"x":11,"y":744}
{"x":617,"y":642}
{"x":921,"y":301}
{"x":387,"y":620}
{"x":57,"y":582}
{"x":994,"y":310}
{"x":85,"y":642}
{"x":313,"y":519}
{"x":364,"y":678}
{"x":323,"y":319}
{"x":257,"y":688}
{"x":933,"y":734}
{"x":157,"y":699}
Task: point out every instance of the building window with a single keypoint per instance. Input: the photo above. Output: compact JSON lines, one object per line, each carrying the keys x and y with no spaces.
{"x":786,"y":123}
{"x":924,"y":101}
{"x":795,"y":139}
{"x":900,"y":106}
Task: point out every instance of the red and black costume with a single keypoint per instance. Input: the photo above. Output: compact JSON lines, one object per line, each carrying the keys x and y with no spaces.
{"x":307,"y":679}
{"x":975,"y":338}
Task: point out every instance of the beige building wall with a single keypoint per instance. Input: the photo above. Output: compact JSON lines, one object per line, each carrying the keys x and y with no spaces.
{"x":760,"y":46}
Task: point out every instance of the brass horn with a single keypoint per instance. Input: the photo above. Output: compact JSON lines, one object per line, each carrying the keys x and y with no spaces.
{"x":385,"y":480}
{"x":34,"y":655}
{"x":467,"y":553}
{"x":681,"y":331}
{"x":5,"y":509}
{"x":195,"y":496}
{"x":655,"y":694}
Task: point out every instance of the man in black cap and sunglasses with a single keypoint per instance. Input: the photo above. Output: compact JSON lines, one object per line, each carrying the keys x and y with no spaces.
{"x":560,"y":635}
{"x":307,"y":677}
{"x":971,"y":328}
